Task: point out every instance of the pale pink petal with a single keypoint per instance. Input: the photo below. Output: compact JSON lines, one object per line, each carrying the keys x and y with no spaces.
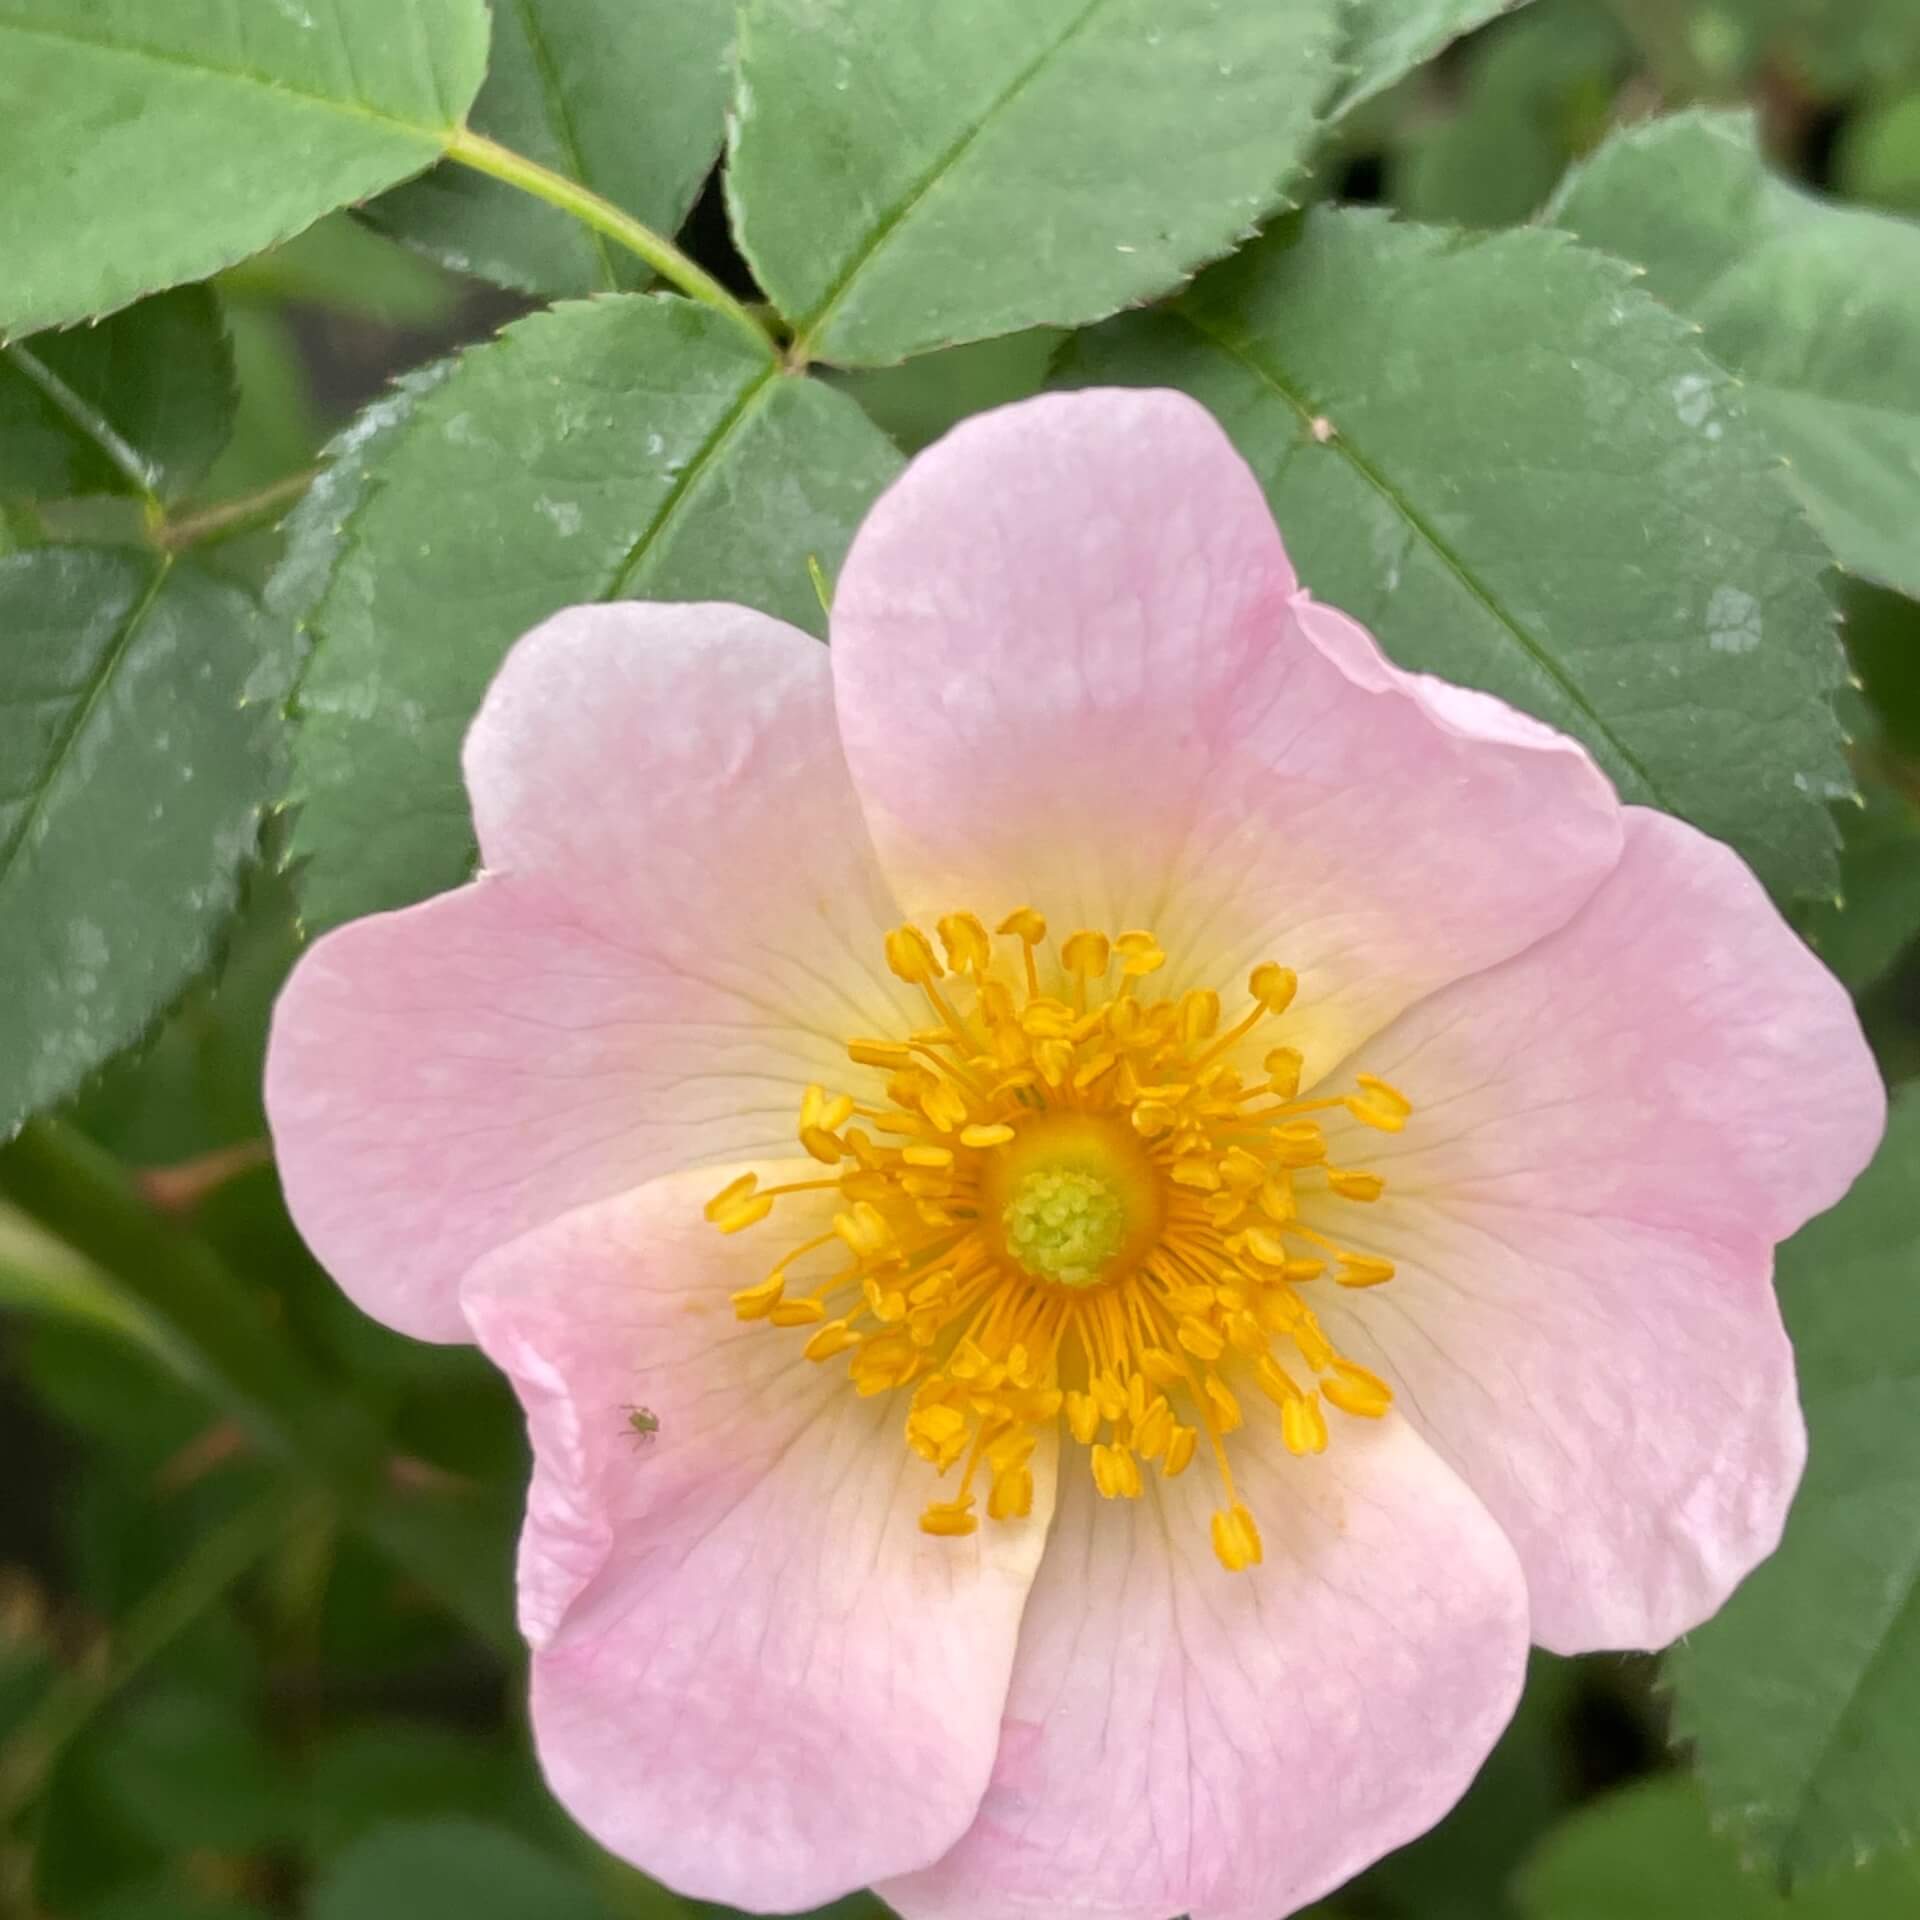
{"x":680,"y":927}
{"x":756,"y":1678}
{"x":1620,"y":1396}
{"x":1179,"y":1739}
{"x":1610,"y":1134}
{"x":1074,"y":671}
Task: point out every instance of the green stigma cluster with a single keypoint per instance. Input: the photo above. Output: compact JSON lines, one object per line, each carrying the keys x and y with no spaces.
{"x":1064,"y":1225}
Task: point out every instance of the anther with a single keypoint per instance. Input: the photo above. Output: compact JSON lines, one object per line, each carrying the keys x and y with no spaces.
{"x":1283,"y":1066}
{"x":756,"y":1302}
{"x":910,"y":954}
{"x":950,"y":1519}
{"x":1140,"y":954}
{"x":965,"y":939}
{"x":834,"y":1338}
{"x":1199,"y":1339}
{"x":1236,"y":1540}
{"x":1087,"y":954}
{"x":1351,"y":1185}
{"x":1199,"y":1015}
{"x":1273,"y":986}
{"x":1303,"y":1427}
{"x":879,"y":1053}
{"x":1362,"y":1270}
{"x":804,"y":1312}
{"x":1011,"y":1496}
{"x":1353,"y":1389}
{"x":733,"y":1191}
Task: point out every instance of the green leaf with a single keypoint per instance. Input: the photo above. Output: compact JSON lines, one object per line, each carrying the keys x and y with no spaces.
{"x":188,"y":1771}
{"x":40,"y":1274}
{"x":276,"y":427}
{"x":450,"y":1870}
{"x":316,"y":529}
{"x":903,"y":178}
{"x":625,"y":96}
{"x":135,"y":775}
{"x":1535,"y":92}
{"x":99,"y":1380}
{"x":1650,"y":1852}
{"x":1387,"y":39}
{"x":165,"y":1902}
{"x":1456,"y":438}
{"x":341,"y":264}
{"x":1801,"y":1698}
{"x":144,"y":145}
{"x":207,"y":1325}
{"x":231,"y":1343}
{"x":362,"y":1777}
{"x":1816,"y":307}
{"x":1832,"y":47}
{"x":191,"y":1093}
{"x":634,"y":447}
{"x":139,"y":404}
{"x":1878,"y":912}
{"x":1883,"y":641}
{"x":1878,"y":159}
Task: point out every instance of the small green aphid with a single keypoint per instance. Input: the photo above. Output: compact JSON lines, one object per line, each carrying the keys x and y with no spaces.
{"x":642,"y":1422}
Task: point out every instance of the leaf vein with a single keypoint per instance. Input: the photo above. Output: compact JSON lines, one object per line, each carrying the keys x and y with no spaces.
{"x":708,"y":452}
{"x":88,"y":697}
{"x":560,"y":115}
{"x":943,"y":165}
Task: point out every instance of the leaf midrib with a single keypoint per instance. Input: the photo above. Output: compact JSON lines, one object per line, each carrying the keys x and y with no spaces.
{"x":561,"y":118}
{"x":87,"y":699}
{"x":690,"y":475}
{"x":1469,"y":582}
{"x":243,"y":76}
{"x":808,"y":330}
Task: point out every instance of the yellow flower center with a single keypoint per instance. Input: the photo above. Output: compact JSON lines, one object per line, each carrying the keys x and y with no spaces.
{"x":1072,"y":1202}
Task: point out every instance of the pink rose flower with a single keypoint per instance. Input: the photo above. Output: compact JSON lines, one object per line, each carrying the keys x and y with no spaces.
{"x":1100,"y":1202}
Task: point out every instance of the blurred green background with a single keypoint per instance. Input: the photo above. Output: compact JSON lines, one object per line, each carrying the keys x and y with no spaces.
{"x":256,"y":1655}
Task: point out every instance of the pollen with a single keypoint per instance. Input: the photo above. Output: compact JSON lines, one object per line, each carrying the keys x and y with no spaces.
{"x":1065,"y":1204}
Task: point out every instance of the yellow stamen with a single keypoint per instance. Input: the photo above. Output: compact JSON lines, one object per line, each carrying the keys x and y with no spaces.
{"x":1274,"y":987}
{"x":910,"y":954}
{"x":1087,"y":955}
{"x":965,"y":939}
{"x":1069,"y":1207}
{"x":1236,"y":1539}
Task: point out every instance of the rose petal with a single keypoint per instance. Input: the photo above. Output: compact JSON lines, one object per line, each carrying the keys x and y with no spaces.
{"x":1074,"y":671}
{"x":1180,"y":1739}
{"x":681,"y":929}
{"x":1621,"y":1397}
{"x":1610,"y":1132}
{"x":758,"y":1679}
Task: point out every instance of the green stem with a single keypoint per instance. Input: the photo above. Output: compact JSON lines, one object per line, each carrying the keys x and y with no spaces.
{"x":486,"y":156}
{"x":210,"y":1567}
{"x":226,"y":518}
